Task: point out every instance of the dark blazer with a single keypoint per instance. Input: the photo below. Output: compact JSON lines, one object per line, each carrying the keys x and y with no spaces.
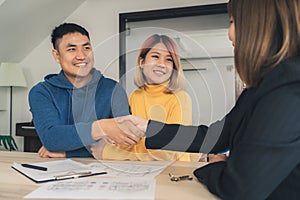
{"x":262,"y":132}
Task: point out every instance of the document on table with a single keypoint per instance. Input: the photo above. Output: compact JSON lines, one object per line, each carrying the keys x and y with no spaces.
{"x":67,"y":168}
{"x":56,"y":170}
{"x":97,"y":188}
{"x":128,"y":169}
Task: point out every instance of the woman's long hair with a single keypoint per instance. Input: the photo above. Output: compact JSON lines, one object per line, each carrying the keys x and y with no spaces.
{"x":267,"y":32}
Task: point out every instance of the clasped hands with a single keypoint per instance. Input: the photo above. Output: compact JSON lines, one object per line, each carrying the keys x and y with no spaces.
{"x":127,"y":130}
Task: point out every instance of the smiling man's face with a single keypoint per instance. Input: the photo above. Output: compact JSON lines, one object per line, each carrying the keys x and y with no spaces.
{"x":75,"y":56}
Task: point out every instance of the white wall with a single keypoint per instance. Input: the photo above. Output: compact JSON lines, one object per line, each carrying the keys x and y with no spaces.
{"x":100,"y":18}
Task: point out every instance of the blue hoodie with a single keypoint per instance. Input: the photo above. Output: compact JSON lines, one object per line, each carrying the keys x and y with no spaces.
{"x":63,"y":115}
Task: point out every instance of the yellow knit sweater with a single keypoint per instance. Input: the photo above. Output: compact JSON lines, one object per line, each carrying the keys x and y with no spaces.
{"x":153,"y":103}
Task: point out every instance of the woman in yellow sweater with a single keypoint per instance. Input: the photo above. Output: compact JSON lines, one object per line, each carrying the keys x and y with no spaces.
{"x":161,"y":97}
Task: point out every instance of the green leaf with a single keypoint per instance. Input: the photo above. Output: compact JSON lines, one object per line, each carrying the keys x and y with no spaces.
{"x":8,"y":142}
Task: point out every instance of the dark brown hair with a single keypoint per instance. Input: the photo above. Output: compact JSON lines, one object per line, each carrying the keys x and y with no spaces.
{"x":266,"y":33}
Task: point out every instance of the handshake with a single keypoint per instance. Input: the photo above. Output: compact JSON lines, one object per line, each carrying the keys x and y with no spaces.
{"x":127,"y":130}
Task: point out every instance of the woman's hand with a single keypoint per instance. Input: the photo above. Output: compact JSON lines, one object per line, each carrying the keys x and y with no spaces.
{"x":97,"y":149}
{"x":216,"y":158}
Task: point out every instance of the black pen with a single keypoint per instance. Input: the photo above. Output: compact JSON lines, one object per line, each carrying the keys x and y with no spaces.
{"x":34,"y":167}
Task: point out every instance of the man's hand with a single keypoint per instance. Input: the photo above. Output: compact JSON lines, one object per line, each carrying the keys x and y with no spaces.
{"x":122,"y":130}
{"x":44,"y":153}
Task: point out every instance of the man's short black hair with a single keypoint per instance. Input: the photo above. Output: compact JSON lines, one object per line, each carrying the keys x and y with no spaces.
{"x":66,"y":28}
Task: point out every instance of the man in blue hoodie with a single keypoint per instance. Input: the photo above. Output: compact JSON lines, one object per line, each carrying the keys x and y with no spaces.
{"x":67,"y":107}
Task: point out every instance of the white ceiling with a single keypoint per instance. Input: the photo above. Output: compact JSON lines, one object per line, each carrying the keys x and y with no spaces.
{"x":26,"y":23}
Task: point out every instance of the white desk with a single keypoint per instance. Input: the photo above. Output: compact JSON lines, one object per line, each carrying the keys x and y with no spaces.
{"x":13,"y":185}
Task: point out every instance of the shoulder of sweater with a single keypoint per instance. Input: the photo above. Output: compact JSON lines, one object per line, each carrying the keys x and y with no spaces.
{"x":107,"y":80}
{"x":107,"y":83}
{"x":41,"y":86}
{"x":182,"y":94}
{"x":136,"y":93}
